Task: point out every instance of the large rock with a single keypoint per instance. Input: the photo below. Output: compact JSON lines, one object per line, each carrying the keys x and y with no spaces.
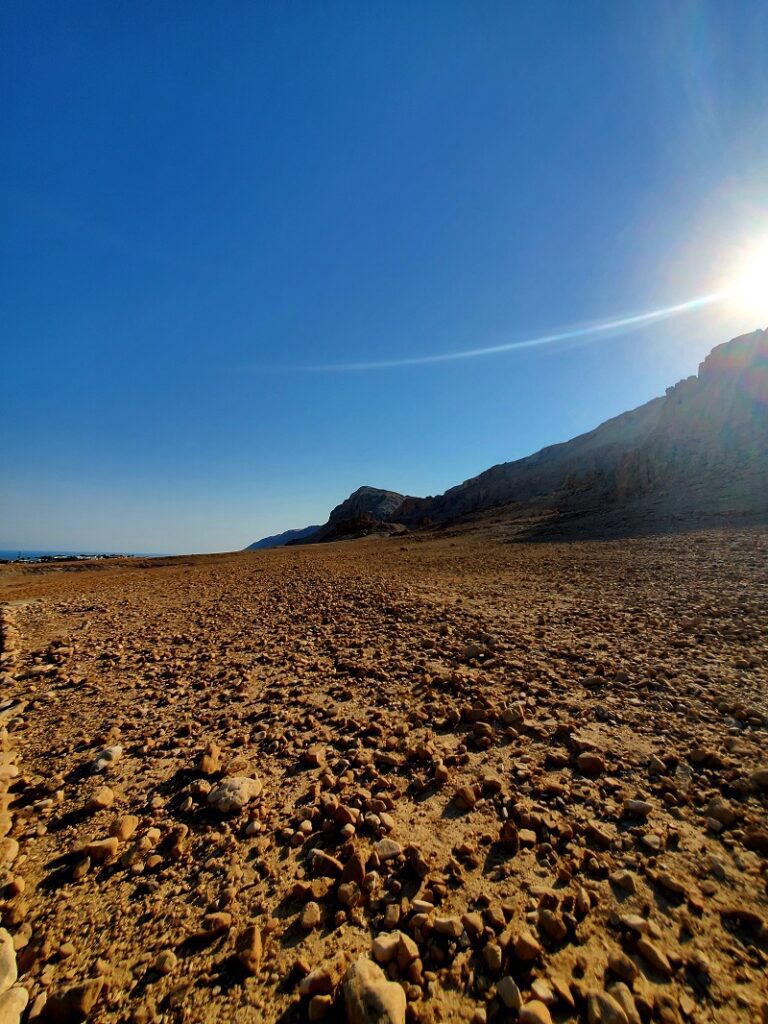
{"x":7,"y":961}
{"x":370,"y":998}
{"x":12,"y":1005}
{"x":232,"y":794}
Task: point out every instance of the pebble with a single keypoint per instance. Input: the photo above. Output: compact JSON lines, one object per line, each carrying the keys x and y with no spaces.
{"x":106,"y":757}
{"x":165,"y":962}
{"x":534,"y":1012}
{"x":102,"y":849}
{"x":248,"y":948}
{"x":602,"y":1008}
{"x":310,"y":916}
{"x":387,"y":849}
{"x":509,"y":993}
{"x":590,"y":763}
{"x":232,"y":794}
{"x":654,"y":956}
{"x":73,"y":1003}
{"x":101,"y":799}
{"x":385,"y":947}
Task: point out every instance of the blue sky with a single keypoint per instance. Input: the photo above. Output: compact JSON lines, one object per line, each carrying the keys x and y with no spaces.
{"x":202,"y":200}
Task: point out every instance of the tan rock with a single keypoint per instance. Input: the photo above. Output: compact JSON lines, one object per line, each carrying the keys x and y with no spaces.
{"x":370,"y":998}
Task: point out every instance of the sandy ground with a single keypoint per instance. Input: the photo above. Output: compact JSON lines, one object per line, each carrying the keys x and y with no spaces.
{"x":535,"y":773}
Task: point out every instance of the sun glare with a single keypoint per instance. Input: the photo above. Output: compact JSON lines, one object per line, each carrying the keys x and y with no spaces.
{"x":750,"y":288}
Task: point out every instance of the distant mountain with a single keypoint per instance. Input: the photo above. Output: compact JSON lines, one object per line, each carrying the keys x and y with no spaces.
{"x":280,"y":539}
{"x":700,"y":450}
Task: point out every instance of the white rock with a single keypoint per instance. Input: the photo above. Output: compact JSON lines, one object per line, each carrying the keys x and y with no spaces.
{"x":234,"y":793}
{"x":106,"y":757}
{"x":370,"y":998}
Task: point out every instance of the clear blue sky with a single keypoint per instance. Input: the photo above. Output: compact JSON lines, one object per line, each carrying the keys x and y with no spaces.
{"x":201,"y":199}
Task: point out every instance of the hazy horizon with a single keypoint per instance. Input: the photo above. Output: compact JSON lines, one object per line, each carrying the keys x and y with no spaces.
{"x":212,"y":221}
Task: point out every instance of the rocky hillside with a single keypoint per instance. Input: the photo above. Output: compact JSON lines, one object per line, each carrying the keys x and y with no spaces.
{"x":703,"y":446}
{"x":700,"y":449}
{"x":362,"y":511}
{"x":279,"y":540}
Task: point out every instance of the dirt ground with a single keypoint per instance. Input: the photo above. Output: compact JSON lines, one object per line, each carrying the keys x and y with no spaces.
{"x":508,"y":773}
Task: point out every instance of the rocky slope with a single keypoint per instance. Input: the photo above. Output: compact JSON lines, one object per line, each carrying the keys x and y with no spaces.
{"x":700,"y":449}
{"x":703,"y":446}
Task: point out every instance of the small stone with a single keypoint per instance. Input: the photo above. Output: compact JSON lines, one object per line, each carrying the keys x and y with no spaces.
{"x":326,"y":866}
{"x":509,"y":993}
{"x":349,"y":894}
{"x":590,"y":763}
{"x":124,"y":827}
{"x":534,"y":1012}
{"x":317,"y":982}
{"x":101,"y":799}
{"x":387,"y":849}
{"x":465,"y":798}
{"x":102,"y":849}
{"x":624,"y":880}
{"x":603,"y":1009}
{"x":210,"y":759}
{"x":106,"y":757}
{"x":385,"y":947}
{"x":310,"y":916}
{"x":215,"y":924}
{"x":492,"y":956}
{"x":450,"y":926}
{"x":622,"y":966}
{"x":654,"y":956}
{"x":640,"y":808}
{"x":165,"y":962}
{"x":759,"y":778}
{"x":370,"y":998}
{"x":232,"y":794}
{"x":73,"y":1003}
{"x":248,"y":948}
{"x":526,"y":946}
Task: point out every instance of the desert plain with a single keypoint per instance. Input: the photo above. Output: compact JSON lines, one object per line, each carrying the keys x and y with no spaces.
{"x":439,"y":777}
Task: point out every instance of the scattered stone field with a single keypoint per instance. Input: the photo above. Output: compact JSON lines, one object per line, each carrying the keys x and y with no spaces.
{"x":432,"y":778}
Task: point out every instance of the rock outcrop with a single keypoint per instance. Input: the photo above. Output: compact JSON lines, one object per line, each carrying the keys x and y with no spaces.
{"x":362,"y":512}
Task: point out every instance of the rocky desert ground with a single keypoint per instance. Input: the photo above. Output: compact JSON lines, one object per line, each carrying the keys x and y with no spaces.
{"x":445,"y":778}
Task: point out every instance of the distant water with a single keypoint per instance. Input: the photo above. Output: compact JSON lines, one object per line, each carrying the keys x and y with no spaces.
{"x":11,"y":553}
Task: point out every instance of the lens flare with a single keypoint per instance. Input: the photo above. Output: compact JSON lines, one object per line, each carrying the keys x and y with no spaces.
{"x":750,"y":288}
{"x":584,"y":333}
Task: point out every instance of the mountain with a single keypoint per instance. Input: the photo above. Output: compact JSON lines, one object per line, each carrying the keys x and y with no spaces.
{"x":700,"y":450}
{"x":280,"y":539}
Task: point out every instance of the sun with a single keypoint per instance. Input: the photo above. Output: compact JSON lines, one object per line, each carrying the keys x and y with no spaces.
{"x":750,"y":285}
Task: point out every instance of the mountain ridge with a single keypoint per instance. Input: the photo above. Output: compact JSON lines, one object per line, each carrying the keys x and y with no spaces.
{"x":702,"y":447}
